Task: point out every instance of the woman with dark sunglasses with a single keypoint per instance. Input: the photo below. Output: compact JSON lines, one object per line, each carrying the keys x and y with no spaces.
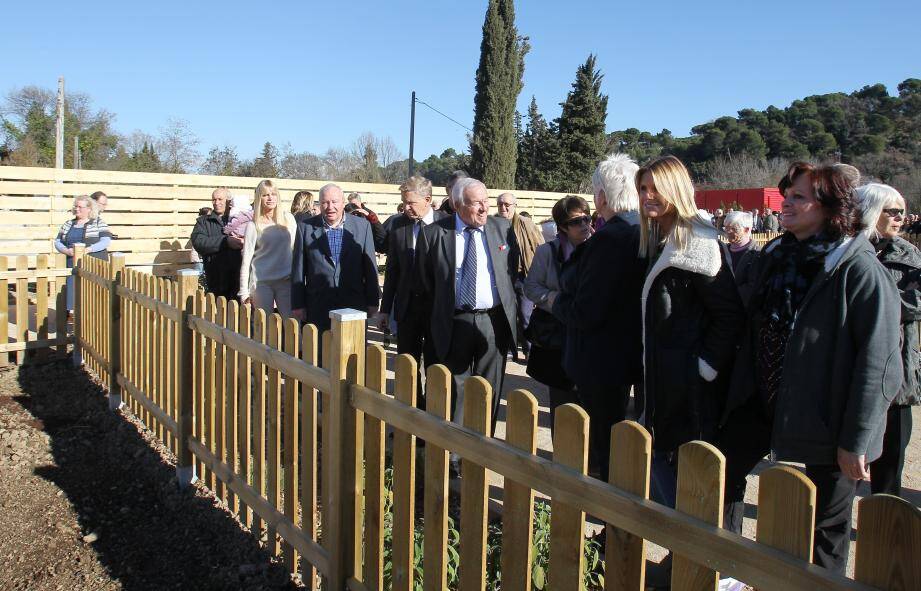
{"x":882,"y":211}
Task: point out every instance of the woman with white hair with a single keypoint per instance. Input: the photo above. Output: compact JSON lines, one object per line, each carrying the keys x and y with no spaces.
{"x":692,"y":317}
{"x":743,"y":251}
{"x":599,"y":304}
{"x":882,"y":213}
{"x":86,"y":228}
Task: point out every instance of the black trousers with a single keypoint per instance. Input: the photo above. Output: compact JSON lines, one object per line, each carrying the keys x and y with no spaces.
{"x":411,"y":339}
{"x":606,"y":406}
{"x":480,"y":343}
{"x":745,"y":440}
{"x":886,"y":471}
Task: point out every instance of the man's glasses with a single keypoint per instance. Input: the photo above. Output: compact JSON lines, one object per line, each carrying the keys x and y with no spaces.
{"x":894,"y":211}
{"x":577,"y":221}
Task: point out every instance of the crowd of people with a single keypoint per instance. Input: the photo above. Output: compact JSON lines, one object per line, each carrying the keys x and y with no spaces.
{"x":637,"y":305}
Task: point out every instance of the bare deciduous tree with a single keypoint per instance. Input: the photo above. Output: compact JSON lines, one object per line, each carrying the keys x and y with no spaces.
{"x":743,"y":171}
{"x":177,"y":146}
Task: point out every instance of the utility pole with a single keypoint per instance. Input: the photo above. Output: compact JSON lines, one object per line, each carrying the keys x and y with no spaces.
{"x":59,"y":127}
{"x":77,"y":158}
{"x":412,"y":134}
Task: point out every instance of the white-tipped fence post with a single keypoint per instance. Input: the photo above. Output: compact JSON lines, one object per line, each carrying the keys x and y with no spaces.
{"x":187,"y":285}
{"x":117,"y":268}
{"x":79,"y":252}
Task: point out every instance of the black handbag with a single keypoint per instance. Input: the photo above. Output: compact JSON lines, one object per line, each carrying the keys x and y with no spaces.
{"x":545,"y":330}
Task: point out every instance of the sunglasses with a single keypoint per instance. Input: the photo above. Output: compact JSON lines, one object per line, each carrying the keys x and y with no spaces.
{"x":894,"y":211}
{"x":577,"y":221}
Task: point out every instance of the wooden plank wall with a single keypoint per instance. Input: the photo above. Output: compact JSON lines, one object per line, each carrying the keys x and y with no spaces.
{"x":153,"y":214}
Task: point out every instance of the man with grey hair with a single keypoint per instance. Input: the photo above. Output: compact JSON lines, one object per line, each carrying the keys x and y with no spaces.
{"x":770,"y":222}
{"x":529,"y":237}
{"x":334,"y":265}
{"x":465,"y":272}
{"x":220,"y":253}
{"x":599,"y":303}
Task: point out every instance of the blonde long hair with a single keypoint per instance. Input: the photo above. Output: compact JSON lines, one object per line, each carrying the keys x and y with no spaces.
{"x":674,"y":185}
{"x":278,"y":216}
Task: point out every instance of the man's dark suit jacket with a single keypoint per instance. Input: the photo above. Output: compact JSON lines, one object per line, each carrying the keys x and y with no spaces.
{"x":599,"y":303}
{"x":318,"y":285}
{"x":399,"y":280}
{"x":436,"y":263}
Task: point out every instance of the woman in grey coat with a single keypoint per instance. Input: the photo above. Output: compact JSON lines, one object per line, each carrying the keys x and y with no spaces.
{"x":820,"y":360}
{"x":883,"y":213}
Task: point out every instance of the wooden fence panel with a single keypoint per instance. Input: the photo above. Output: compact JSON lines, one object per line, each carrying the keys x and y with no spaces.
{"x":518,"y":502}
{"x":404,"y":480}
{"x":435,"y":554}
{"x":786,"y":511}
{"x":291,"y":411}
{"x":630,"y":462}
{"x":201,"y":366}
{"x":375,"y":379}
{"x":308,"y":432}
{"x":474,"y":489}
{"x":888,"y":539}
{"x":211,"y":349}
{"x":567,"y":523}
{"x":700,"y":494}
{"x":22,"y":309}
{"x":41,"y":297}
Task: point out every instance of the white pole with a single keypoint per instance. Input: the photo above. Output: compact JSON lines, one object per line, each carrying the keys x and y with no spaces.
{"x":59,"y":128}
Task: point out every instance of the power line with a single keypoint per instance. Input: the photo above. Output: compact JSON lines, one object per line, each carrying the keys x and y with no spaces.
{"x":421,"y":102}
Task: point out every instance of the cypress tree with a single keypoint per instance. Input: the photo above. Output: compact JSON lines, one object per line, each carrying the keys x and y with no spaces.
{"x":493,"y":147}
{"x":538,"y":153}
{"x":581,"y":127}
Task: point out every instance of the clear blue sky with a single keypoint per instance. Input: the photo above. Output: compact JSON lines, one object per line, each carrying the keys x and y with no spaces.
{"x":318,"y":74}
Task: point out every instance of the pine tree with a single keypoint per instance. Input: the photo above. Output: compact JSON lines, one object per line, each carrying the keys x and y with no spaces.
{"x":538,"y":153}
{"x":493,"y":148}
{"x":266,"y":165}
{"x":581,"y":127}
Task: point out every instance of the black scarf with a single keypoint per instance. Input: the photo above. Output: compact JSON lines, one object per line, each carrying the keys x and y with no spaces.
{"x":793,"y":265}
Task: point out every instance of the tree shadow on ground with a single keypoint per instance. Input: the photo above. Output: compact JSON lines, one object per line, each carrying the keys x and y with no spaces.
{"x":149,"y":534}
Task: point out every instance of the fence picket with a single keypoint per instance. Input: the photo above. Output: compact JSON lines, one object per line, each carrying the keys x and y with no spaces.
{"x":231,"y":397}
{"x":435,"y":552}
{"x":567,"y":523}
{"x":375,"y":379}
{"x":59,"y":290}
{"x":198,"y":400}
{"x":291,"y":410}
{"x":273,"y":432}
{"x":4,"y":314}
{"x":786,"y":511}
{"x":116,"y":332}
{"x":518,"y":504}
{"x":259,"y":335}
{"x":159,"y":374}
{"x":474,"y":489}
{"x":220,"y":394}
{"x":700,"y":494}
{"x":308,"y":463}
{"x":22,"y":308}
{"x":209,"y":479}
{"x":244,"y":412}
{"x":404,"y":479}
{"x":888,"y":538}
{"x":41,"y":297}
{"x":625,"y":553}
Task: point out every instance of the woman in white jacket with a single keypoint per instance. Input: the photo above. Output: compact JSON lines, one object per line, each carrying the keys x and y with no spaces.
{"x":265,"y":275}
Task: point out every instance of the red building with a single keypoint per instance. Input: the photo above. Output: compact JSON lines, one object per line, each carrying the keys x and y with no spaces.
{"x":745,"y":199}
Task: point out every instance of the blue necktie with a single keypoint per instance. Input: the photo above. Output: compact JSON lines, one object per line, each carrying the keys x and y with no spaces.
{"x":467,"y":292}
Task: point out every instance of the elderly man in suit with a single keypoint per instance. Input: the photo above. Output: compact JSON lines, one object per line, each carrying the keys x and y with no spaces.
{"x":466,"y":266}
{"x":334,"y":265}
{"x":400,"y":300}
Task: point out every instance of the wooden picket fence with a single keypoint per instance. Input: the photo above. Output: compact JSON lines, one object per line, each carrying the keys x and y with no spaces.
{"x":237,"y":394}
{"x":33,"y":311}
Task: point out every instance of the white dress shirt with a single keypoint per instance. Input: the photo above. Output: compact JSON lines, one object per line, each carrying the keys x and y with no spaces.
{"x":487,"y":294}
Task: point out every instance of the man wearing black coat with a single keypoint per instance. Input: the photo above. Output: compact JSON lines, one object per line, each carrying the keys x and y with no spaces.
{"x":400,"y":300}
{"x":599,"y":304}
{"x":220,"y":253}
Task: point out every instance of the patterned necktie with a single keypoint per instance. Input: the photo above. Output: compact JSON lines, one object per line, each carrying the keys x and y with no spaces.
{"x":467,"y":292}
{"x":415,"y":230}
